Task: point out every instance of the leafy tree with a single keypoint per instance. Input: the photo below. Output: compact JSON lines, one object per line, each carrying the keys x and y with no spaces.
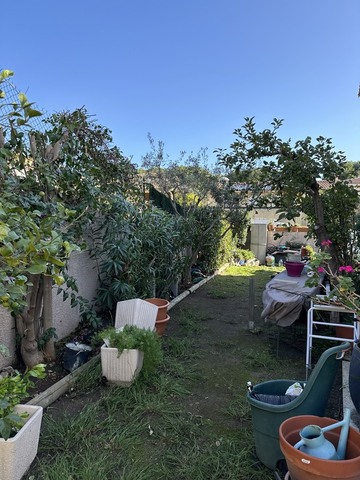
{"x":289,"y":178}
{"x":189,"y":182}
{"x":53,"y":185}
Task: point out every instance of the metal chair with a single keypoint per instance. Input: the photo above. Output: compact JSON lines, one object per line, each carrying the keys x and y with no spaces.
{"x":267,"y":418}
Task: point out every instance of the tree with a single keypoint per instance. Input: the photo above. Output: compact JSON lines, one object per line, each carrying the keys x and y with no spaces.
{"x":289,"y":178}
{"x":53,"y":185}
{"x":190,"y":183}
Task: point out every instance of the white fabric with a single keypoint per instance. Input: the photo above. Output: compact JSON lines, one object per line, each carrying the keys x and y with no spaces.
{"x":284,"y":297}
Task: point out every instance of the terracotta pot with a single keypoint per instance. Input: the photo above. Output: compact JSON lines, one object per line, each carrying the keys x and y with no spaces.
{"x":345,"y":333}
{"x":160,"y":325}
{"x":162,"y":305}
{"x":306,"y":467}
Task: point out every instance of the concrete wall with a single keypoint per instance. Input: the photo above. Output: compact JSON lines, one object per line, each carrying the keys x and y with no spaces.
{"x":83,"y":268}
{"x":66,"y":318}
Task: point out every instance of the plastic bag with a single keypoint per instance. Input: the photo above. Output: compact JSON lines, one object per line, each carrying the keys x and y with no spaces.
{"x":295,"y":389}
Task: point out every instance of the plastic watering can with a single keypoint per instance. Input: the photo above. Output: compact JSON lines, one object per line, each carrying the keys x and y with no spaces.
{"x":313,"y":441}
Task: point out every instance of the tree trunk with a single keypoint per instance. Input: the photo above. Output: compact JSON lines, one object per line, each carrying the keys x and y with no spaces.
{"x":29,"y":347}
{"x":49,"y":348}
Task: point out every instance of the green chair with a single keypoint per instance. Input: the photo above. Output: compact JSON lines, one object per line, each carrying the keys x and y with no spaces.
{"x":267,"y":417}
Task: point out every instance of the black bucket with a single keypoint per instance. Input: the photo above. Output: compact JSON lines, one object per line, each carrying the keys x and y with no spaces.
{"x":76,"y":354}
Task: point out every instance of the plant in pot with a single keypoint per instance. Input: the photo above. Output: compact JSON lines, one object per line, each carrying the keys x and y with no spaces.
{"x":19,"y":424}
{"x":127,"y":351}
{"x":344,"y":293}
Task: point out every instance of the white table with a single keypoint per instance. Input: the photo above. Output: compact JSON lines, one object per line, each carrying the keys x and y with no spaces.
{"x":284,"y":297}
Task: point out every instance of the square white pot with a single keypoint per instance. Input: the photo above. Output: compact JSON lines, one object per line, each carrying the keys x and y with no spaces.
{"x":18,"y":453}
{"x":136,"y":312}
{"x":121,"y":369}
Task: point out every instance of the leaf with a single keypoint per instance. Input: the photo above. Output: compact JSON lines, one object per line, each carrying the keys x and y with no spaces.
{"x":5,"y":429}
{"x":37,"y":268}
{"x":33,"y":113}
{"x":58,"y":279}
{"x":4,"y":74}
{"x":56,"y":261}
{"x":22,"y":99}
{"x":4,"y":230}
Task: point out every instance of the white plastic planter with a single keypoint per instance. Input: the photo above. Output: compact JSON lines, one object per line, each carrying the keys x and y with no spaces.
{"x":121,"y":369}
{"x":18,"y":453}
{"x":136,"y":312}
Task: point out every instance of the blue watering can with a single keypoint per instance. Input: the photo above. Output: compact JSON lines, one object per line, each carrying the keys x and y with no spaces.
{"x":313,"y":441}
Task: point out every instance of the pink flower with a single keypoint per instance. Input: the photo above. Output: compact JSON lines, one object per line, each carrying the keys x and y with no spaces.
{"x":347,"y":268}
{"x":321,"y":269}
{"x":326,"y":243}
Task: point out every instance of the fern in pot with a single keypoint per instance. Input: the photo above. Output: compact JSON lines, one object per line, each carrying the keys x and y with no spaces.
{"x":127,"y":351}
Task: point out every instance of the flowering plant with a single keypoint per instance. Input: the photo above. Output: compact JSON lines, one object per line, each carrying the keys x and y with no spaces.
{"x":343,"y":289}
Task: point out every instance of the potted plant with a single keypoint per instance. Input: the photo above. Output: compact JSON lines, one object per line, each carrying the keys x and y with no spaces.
{"x":127,"y":351}
{"x":19,"y":424}
{"x":345,"y":293}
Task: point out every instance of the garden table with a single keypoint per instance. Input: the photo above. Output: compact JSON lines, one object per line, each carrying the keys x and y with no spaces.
{"x":284,"y":297}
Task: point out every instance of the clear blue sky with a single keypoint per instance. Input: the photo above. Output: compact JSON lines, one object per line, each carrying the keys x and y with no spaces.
{"x":189,"y":71}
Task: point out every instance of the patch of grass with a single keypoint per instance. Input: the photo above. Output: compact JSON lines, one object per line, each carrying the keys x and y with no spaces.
{"x":255,"y":359}
{"x":88,"y":379}
{"x":190,"y":321}
{"x":239,"y":409}
{"x":234,"y":281}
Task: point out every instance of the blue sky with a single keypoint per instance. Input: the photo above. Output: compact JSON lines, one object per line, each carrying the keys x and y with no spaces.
{"x":189,"y":71}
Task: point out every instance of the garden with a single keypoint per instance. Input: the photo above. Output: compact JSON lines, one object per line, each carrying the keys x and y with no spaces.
{"x":191,"y":418}
{"x":152,"y":232}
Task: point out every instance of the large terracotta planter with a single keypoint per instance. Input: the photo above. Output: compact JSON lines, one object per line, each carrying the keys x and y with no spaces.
{"x":18,"y":453}
{"x":121,"y":369}
{"x":306,"y":467}
{"x":162,"y":305}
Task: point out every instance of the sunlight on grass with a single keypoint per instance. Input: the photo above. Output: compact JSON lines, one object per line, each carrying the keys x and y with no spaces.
{"x":234,"y":281}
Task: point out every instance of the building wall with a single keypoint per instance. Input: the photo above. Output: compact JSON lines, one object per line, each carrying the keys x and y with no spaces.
{"x":261,"y":239}
{"x":66,"y":319}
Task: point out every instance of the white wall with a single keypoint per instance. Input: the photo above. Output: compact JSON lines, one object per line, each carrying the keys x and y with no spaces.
{"x":83,"y":268}
{"x":66,"y":319}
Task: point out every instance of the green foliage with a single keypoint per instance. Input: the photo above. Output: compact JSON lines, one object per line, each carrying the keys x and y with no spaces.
{"x":140,"y":251}
{"x":287,"y":178}
{"x":218,"y":243}
{"x":14,"y":388}
{"x":54,"y":184}
{"x":133,"y":337}
{"x":243,"y":254}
